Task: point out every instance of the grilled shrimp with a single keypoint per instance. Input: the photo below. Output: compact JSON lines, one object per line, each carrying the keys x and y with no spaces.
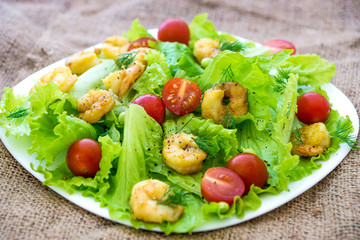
{"x":144,"y":202}
{"x":206,"y":48}
{"x":113,"y":46}
{"x":212,"y":106}
{"x":81,"y":62}
{"x":181,"y":153}
{"x":310,"y":140}
{"x":94,"y":105}
{"x":121,"y":81}
{"x":61,"y":76}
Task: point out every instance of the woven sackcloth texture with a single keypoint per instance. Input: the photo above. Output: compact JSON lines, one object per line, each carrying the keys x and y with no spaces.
{"x":34,"y":34}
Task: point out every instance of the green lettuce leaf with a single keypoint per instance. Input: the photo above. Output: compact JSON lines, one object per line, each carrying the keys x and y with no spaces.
{"x":52,"y":130}
{"x":137,"y":31}
{"x":312,"y":69}
{"x":200,"y":27}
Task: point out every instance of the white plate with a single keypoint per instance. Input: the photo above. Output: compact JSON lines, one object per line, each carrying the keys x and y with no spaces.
{"x":18,"y":148}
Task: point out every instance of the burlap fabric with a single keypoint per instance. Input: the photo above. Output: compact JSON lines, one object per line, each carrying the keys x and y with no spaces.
{"x":37,"y":33}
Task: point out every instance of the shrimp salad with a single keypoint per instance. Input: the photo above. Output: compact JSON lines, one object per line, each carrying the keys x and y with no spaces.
{"x":173,"y":121}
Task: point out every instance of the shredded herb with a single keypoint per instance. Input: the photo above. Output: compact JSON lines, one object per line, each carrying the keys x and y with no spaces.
{"x":173,"y":197}
{"x":235,"y":46}
{"x":228,"y":120}
{"x":18,"y":112}
{"x":124,"y":60}
{"x":281,"y":79}
{"x":227,"y":75}
{"x":343,"y":131}
{"x":207,"y":144}
{"x":297,"y":134}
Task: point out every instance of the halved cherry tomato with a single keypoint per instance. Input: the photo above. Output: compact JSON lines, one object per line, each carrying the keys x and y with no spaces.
{"x":278,"y":45}
{"x":83,"y":157}
{"x":250,"y":168}
{"x":174,"y":30}
{"x":220,"y":184}
{"x":181,"y":96}
{"x":313,"y":107}
{"x":153,"y":105}
{"x":141,"y":42}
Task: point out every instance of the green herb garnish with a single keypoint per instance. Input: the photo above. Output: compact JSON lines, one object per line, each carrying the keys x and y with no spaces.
{"x":228,"y":120}
{"x":297,"y":134}
{"x":281,"y":79}
{"x":235,"y":46}
{"x":124,"y":60}
{"x":207,"y":144}
{"x":343,"y":130}
{"x":227,"y":75}
{"x":173,"y":197}
{"x":18,"y":112}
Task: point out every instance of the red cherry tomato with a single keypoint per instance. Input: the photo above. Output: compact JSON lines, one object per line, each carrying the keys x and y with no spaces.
{"x":221,"y":185}
{"x":250,"y":168}
{"x":313,"y":107}
{"x":83,"y":157}
{"x":181,"y":96}
{"x":174,"y":30}
{"x":278,"y":45}
{"x":141,"y":42}
{"x":153,"y":105}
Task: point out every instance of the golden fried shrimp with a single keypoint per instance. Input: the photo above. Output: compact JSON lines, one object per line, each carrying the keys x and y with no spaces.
{"x":61,"y":76}
{"x":181,"y":153}
{"x":213,"y":107}
{"x":94,"y":105}
{"x":113,"y":46}
{"x":81,"y":62}
{"x":144,"y":200}
{"x":206,"y":48}
{"x":310,"y":140}
{"x":120,"y":81}
{"x":140,"y":55}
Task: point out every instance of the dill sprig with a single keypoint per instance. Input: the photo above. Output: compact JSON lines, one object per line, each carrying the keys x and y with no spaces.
{"x":297,"y":134}
{"x":18,"y":112}
{"x":173,"y":196}
{"x":227,"y":75}
{"x":343,"y":130}
{"x":207,"y":144}
{"x":228,"y":120}
{"x":281,"y":79}
{"x":235,"y":46}
{"x":124,"y":60}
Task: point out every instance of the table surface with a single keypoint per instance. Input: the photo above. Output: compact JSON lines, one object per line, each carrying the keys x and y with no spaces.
{"x":33,"y":35}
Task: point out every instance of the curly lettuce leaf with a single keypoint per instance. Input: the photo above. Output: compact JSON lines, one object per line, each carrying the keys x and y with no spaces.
{"x":200,"y":27}
{"x":62,"y":177}
{"x":52,"y":129}
{"x":142,"y":142}
{"x":137,"y":31}
{"x":312,"y":69}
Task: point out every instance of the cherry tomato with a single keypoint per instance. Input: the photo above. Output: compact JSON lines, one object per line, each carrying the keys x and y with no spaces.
{"x":181,"y":96}
{"x":153,"y":105}
{"x":313,"y":107}
{"x":174,"y":30}
{"x":220,"y":184}
{"x":278,"y":44}
{"x":141,"y":42}
{"x":83,"y":157}
{"x":250,"y":168}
